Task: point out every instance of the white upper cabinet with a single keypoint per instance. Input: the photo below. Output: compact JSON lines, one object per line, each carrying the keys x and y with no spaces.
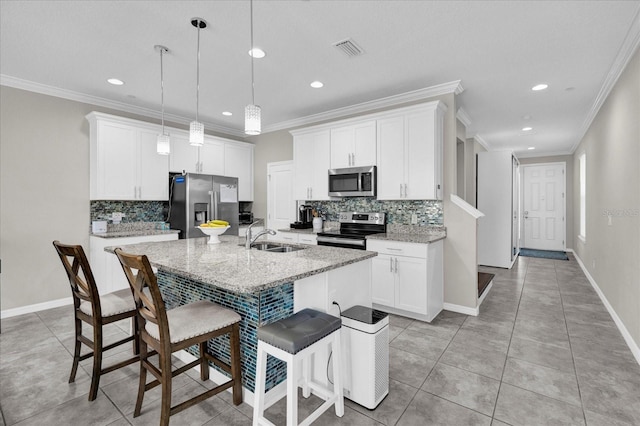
{"x":238,"y":162}
{"x":410,"y":153}
{"x":310,"y":165}
{"x":184,"y":156}
{"x":212,"y":157}
{"x":354,"y":145}
{"x":124,"y":164}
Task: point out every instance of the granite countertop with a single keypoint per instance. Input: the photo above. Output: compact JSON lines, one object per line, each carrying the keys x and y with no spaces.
{"x":412,"y":234}
{"x":135,"y":233}
{"x":230,"y":266}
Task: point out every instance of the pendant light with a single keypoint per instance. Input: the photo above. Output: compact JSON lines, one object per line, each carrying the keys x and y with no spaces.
{"x":252,"y":125}
{"x":196,"y":129}
{"x":163,"y":144}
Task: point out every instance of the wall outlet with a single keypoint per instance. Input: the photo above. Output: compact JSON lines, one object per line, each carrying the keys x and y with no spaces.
{"x":414,"y":219}
{"x":116,"y":217}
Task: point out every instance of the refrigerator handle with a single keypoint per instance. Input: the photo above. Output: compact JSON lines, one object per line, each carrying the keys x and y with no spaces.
{"x":214,"y":205}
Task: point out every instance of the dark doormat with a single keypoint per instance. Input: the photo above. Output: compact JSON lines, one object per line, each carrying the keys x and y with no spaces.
{"x":544,"y":254}
{"x":483,"y":281}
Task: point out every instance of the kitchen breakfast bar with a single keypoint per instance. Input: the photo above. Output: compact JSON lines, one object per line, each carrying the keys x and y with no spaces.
{"x":260,"y":285}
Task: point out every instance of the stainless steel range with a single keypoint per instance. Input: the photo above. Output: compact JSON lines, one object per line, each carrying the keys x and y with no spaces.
{"x":354,"y":228}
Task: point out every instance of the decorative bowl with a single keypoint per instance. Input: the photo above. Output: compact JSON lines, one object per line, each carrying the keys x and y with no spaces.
{"x":214,"y":233}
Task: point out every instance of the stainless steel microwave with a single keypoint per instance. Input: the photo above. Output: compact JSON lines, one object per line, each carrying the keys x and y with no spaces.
{"x":353,"y":182}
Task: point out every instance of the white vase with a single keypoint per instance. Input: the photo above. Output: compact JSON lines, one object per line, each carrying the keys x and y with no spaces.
{"x":317,"y":224}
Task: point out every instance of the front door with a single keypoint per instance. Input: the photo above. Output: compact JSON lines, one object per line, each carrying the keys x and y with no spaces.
{"x":543,"y":209}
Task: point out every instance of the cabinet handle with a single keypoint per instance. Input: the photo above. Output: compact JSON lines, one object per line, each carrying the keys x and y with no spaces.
{"x":311,"y":193}
{"x":396,"y":261}
{"x":400,"y":190}
{"x":391,"y":264}
{"x":405,"y":189}
{"x":394,"y":249}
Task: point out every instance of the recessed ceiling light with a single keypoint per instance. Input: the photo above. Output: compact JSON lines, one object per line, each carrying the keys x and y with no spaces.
{"x":540,"y":86}
{"x":227,"y":113}
{"x":527,"y":129}
{"x":257,"y":53}
{"x":115,"y":81}
{"x":316,"y":84}
{"x":531,"y":148}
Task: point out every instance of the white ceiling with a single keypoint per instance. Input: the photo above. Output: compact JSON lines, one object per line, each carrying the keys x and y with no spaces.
{"x":497,"y":49}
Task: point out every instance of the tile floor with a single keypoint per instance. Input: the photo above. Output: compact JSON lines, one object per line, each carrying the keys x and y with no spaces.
{"x":543,"y":351}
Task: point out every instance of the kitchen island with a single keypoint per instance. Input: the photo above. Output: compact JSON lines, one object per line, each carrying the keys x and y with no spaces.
{"x":261,"y":286}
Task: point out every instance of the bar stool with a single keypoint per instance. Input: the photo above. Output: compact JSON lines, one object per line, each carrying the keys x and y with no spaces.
{"x":168,"y":331}
{"x":299,"y":337}
{"x":95,"y":310}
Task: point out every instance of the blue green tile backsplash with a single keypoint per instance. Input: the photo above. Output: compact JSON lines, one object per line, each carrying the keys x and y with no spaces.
{"x":429,"y":212}
{"x":134,"y":211}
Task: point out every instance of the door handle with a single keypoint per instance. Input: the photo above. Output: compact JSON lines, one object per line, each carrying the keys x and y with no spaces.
{"x":526,"y":215}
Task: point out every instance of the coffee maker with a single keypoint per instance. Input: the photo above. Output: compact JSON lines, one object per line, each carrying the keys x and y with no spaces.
{"x":305,"y":217}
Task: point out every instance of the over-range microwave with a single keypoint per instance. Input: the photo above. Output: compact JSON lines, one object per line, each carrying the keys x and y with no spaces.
{"x":353,"y":182}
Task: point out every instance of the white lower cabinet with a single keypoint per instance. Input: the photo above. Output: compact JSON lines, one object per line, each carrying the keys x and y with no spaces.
{"x":407,"y":278}
{"x":105,"y":266}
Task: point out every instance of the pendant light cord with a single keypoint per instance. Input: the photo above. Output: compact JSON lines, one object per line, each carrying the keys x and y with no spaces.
{"x":162,"y":87}
{"x":253,"y":100}
{"x":198,"y":73}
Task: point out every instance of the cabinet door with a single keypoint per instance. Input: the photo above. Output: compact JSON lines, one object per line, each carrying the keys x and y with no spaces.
{"x":411,"y":288}
{"x":238,"y":162}
{"x":383,"y":280}
{"x":302,"y":166}
{"x":420,"y":159}
{"x":341,"y":147}
{"x":153,"y":170}
{"x":321,"y":160}
{"x":364,"y":144}
{"x":117,"y":162}
{"x":391,"y":158}
{"x":183,"y":155}
{"x":212,"y":157}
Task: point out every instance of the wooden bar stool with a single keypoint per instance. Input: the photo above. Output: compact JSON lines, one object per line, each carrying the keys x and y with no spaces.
{"x":298,"y":338}
{"x":168,"y":331}
{"x":95,"y":310}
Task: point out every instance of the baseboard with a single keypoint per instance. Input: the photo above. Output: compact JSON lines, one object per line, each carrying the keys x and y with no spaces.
{"x":635,"y":349}
{"x":272,"y":396}
{"x":485,"y":293}
{"x":462,"y":309}
{"x":8,"y":313}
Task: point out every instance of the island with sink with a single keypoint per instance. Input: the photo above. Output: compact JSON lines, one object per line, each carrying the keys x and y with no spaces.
{"x":263,"y":283}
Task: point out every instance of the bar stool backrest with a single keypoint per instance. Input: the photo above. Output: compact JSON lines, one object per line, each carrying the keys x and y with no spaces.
{"x":141,"y":276}
{"x":83,"y":284}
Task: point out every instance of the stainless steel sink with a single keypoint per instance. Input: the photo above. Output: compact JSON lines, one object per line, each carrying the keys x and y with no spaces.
{"x":275,"y":248}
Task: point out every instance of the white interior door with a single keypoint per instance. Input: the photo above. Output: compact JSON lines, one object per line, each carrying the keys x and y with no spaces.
{"x":543,"y":209}
{"x":281,"y":207}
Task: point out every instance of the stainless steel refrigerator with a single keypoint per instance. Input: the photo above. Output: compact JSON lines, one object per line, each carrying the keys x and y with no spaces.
{"x":197,"y":198}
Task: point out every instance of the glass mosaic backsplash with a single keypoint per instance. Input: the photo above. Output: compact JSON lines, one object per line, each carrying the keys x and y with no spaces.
{"x":134,"y":211}
{"x":429,"y":212}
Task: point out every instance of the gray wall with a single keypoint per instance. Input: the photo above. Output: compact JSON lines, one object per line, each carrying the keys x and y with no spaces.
{"x":44,"y":191}
{"x":568,"y":160}
{"x":611,"y":253}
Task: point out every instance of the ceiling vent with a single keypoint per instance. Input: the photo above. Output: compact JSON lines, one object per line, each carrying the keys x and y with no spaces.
{"x":349,"y":48}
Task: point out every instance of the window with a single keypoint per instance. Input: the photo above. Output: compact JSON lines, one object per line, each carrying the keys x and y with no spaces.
{"x":583,"y":196}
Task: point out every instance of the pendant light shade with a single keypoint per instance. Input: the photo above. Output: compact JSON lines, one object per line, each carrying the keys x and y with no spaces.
{"x":163,"y":144}
{"x":252,"y":113}
{"x":252,"y":124}
{"x":196,"y":129}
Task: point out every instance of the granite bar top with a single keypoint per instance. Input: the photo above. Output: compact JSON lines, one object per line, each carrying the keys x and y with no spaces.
{"x":230,"y":266}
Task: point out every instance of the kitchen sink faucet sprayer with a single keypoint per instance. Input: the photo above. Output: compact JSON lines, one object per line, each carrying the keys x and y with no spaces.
{"x":249,"y":240}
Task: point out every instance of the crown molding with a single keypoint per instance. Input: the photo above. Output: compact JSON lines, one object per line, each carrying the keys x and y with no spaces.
{"x":17,"y":83}
{"x":628,"y":48}
{"x":463,"y":117}
{"x":454,"y":87}
{"x":534,"y":154}
{"x":482,"y":142}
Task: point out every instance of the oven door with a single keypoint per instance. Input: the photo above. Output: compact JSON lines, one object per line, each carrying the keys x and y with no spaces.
{"x":345,"y":242}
